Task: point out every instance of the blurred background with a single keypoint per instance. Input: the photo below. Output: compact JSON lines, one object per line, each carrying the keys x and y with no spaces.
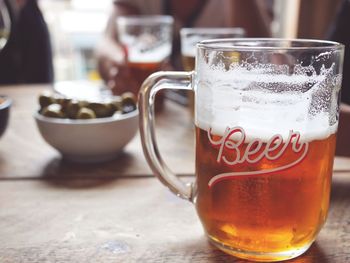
{"x":76,"y":26}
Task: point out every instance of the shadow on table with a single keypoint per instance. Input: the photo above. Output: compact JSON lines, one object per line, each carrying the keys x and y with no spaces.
{"x":61,"y":168}
{"x":62,"y":173}
{"x":340,"y":190}
{"x":78,"y":183}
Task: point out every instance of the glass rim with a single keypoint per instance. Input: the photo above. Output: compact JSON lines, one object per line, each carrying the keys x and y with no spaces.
{"x":144,"y":19}
{"x":243,"y":44}
{"x":212,"y":30}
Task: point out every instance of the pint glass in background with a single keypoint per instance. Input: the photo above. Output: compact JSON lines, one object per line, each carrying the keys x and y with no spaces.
{"x":147,"y":41}
{"x":265,"y":139}
{"x":191,"y":36}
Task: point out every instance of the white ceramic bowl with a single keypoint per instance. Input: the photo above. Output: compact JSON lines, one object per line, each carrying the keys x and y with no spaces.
{"x":93,"y":140}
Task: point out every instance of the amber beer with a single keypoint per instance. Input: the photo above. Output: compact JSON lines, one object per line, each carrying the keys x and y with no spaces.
{"x":267,"y":212}
{"x":140,"y":71}
{"x":188,"y":62}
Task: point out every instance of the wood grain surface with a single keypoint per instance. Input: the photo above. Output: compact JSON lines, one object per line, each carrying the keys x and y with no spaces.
{"x":55,"y":211}
{"x":129,"y":220}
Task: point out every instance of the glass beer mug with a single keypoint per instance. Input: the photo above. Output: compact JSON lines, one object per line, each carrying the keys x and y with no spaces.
{"x":266,"y":116}
{"x":147,"y":41}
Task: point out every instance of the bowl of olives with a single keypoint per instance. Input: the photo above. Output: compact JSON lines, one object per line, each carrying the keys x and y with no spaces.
{"x":87,"y":131}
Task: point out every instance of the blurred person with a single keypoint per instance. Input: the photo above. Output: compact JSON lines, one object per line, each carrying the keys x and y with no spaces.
{"x":27,"y":56}
{"x":339,"y":32}
{"x":252,"y":15}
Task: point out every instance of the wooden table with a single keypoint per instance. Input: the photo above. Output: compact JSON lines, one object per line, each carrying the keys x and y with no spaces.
{"x":55,"y":211}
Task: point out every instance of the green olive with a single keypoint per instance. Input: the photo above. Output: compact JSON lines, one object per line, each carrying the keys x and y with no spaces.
{"x":73,"y":108}
{"x":83,"y":103}
{"x":129,"y":98}
{"x":63,"y":102}
{"x":128,"y":108}
{"x":53,"y":111}
{"x":112,"y":107}
{"x":101,"y":110}
{"x":45,"y":99}
{"x":116,"y":103}
{"x":128,"y":102}
{"x":86,"y":113}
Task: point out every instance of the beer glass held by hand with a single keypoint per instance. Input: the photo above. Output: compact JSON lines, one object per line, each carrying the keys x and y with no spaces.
{"x":266,"y":116}
{"x":147,"y":41}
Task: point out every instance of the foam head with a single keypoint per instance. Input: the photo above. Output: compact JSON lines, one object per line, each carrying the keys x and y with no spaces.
{"x":266,"y":99}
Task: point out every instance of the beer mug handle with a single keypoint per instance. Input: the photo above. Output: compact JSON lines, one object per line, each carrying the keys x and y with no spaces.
{"x":154,"y":83}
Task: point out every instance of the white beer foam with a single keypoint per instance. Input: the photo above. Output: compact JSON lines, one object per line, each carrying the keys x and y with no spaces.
{"x":253,"y":100}
{"x":146,"y":48}
{"x":158,"y":54}
{"x":189,"y":52}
